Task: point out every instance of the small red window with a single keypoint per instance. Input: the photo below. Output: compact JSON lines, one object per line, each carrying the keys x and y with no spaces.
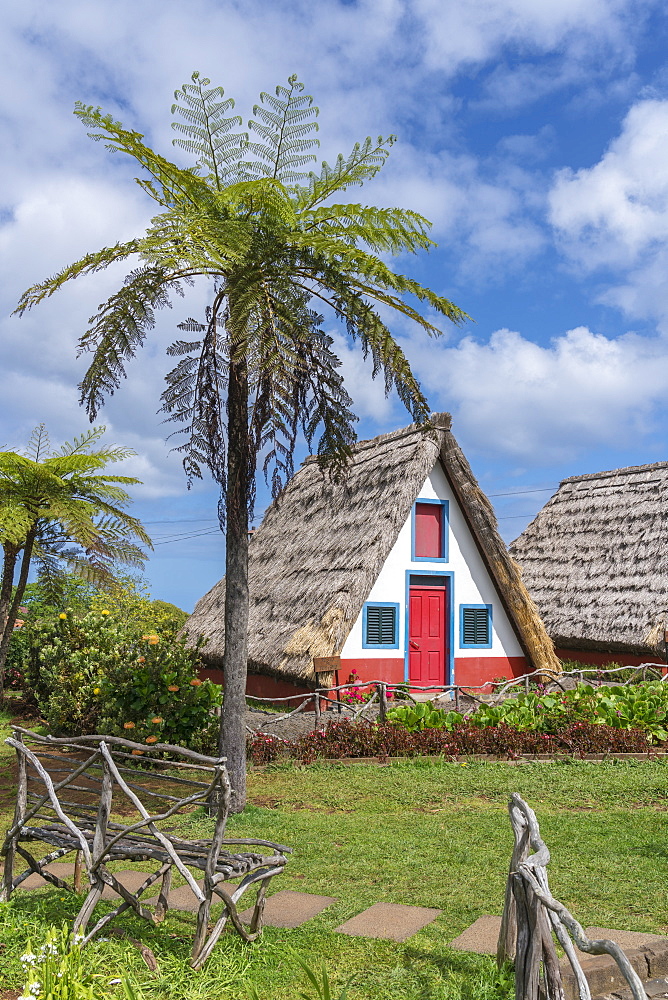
{"x":428,"y":531}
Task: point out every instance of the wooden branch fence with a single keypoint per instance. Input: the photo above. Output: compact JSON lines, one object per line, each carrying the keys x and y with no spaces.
{"x":384,"y":692}
{"x":531,"y":916}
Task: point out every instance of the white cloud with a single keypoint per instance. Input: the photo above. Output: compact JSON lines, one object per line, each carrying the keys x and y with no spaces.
{"x":546,"y":404}
{"x":483,"y":214}
{"x":614,"y":215}
{"x":476,"y":31}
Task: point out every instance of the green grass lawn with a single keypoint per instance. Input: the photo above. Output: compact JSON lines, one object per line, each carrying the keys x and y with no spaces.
{"x":423,"y":832}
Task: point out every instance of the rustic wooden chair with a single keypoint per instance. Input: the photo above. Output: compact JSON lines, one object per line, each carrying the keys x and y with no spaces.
{"x":69,"y":788}
{"x":531,"y":915}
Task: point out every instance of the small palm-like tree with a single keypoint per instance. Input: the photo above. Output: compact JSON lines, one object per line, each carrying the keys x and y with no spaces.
{"x":258,"y":367}
{"x":60,"y":510}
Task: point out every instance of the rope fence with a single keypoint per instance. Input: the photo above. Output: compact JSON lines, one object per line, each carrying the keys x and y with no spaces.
{"x":382,"y":692}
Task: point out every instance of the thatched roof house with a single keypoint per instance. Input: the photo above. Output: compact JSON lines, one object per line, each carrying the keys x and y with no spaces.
{"x":333,"y":569}
{"x":593,"y":562}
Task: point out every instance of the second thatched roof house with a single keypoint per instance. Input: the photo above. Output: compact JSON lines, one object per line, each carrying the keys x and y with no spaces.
{"x":595,"y":560}
{"x":398,"y":573}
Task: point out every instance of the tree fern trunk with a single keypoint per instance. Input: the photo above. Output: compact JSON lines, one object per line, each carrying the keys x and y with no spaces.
{"x":12,"y":613}
{"x":235,"y":655}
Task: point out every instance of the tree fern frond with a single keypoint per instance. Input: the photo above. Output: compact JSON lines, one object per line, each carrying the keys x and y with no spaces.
{"x":361,"y":164}
{"x":383,"y":230}
{"x":89,"y":264}
{"x":84,"y":441}
{"x":178,"y":185}
{"x":118,"y":330}
{"x":207,"y":129}
{"x":38,"y":446}
{"x":286,"y":119}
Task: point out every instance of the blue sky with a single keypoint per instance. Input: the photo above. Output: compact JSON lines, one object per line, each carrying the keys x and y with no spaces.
{"x":533,"y":135}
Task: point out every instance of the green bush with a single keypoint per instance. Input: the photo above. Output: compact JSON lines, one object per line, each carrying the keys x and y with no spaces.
{"x":89,"y":673}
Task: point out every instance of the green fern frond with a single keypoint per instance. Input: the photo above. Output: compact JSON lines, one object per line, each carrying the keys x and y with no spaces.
{"x":286,"y":126}
{"x":363,"y":163}
{"x":207,"y":129}
{"x":38,"y":446}
{"x":177,"y":185}
{"x":118,"y":330}
{"x":83,"y":442}
{"x":89,"y":264}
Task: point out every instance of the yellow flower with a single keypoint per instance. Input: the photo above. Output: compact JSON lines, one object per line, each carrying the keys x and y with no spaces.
{"x":96,"y":690}
{"x":156,"y":721}
{"x":153,"y":640}
{"x":128,"y":725}
{"x":105,"y":612}
{"x":62,"y":615}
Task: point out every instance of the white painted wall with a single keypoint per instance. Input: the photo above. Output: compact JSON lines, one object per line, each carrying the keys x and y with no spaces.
{"x":471,"y":583}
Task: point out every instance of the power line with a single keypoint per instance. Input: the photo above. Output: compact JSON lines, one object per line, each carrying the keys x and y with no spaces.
{"x":192,"y":534}
{"x":212,"y":531}
{"x":517,"y":493}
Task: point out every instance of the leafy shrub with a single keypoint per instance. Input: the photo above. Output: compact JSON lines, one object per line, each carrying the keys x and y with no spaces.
{"x":634,"y":706}
{"x":88,"y":675}
{"x":423,"y":716}
{"x":350,"y":739}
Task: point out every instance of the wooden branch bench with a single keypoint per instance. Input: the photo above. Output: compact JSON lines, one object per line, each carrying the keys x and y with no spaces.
{"x":68,"y":791}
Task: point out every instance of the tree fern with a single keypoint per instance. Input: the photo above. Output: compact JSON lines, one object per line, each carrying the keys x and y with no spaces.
{"x":276,"y":254}
{"x":62,"y":510}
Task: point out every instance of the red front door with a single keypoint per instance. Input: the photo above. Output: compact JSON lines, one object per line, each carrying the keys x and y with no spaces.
{"x":426,"y":635}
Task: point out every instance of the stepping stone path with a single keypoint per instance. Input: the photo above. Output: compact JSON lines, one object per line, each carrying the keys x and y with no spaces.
{"x":286,"y":908}
{"x":648,"y":953}
{"x":393,"y":921}
{"x":289,"y":908}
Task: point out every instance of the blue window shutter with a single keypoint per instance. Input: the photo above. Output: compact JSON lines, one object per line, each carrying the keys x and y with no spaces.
{"x":381,"y":625}
{"x":475,"y":626}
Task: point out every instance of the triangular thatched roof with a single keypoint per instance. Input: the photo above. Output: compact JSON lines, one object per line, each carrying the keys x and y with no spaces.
{"x":320,"y":548}
{"x":596,"y":563}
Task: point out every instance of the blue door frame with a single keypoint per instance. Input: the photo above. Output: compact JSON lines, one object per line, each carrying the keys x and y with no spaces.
{"x":448,"y":581}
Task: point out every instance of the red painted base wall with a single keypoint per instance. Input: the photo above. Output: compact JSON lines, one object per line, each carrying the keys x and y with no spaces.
{"x":261,"y":686}
{"x":478,"y":670}
{"x":597,"y":659}
{"x":471,"y":670}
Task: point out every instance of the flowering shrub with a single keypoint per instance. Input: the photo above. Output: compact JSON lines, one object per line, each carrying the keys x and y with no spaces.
{"x":88,"y":675}
{"x":350,"y":739}
{"x":354,"y":695}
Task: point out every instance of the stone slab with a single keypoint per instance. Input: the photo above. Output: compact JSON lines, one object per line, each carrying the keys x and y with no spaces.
{"x":63,"y":869}
{"x":289,"y":908}
{"x":647,"y":953}
{"x":182,"y":898}
{"x":393,"y":921}
{"x":602,"y":973}
{"x":481,"y":937}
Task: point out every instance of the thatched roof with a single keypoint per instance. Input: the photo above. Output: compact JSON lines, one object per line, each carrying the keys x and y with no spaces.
{"x":320,"y":549}
{"x":596,"y":563}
